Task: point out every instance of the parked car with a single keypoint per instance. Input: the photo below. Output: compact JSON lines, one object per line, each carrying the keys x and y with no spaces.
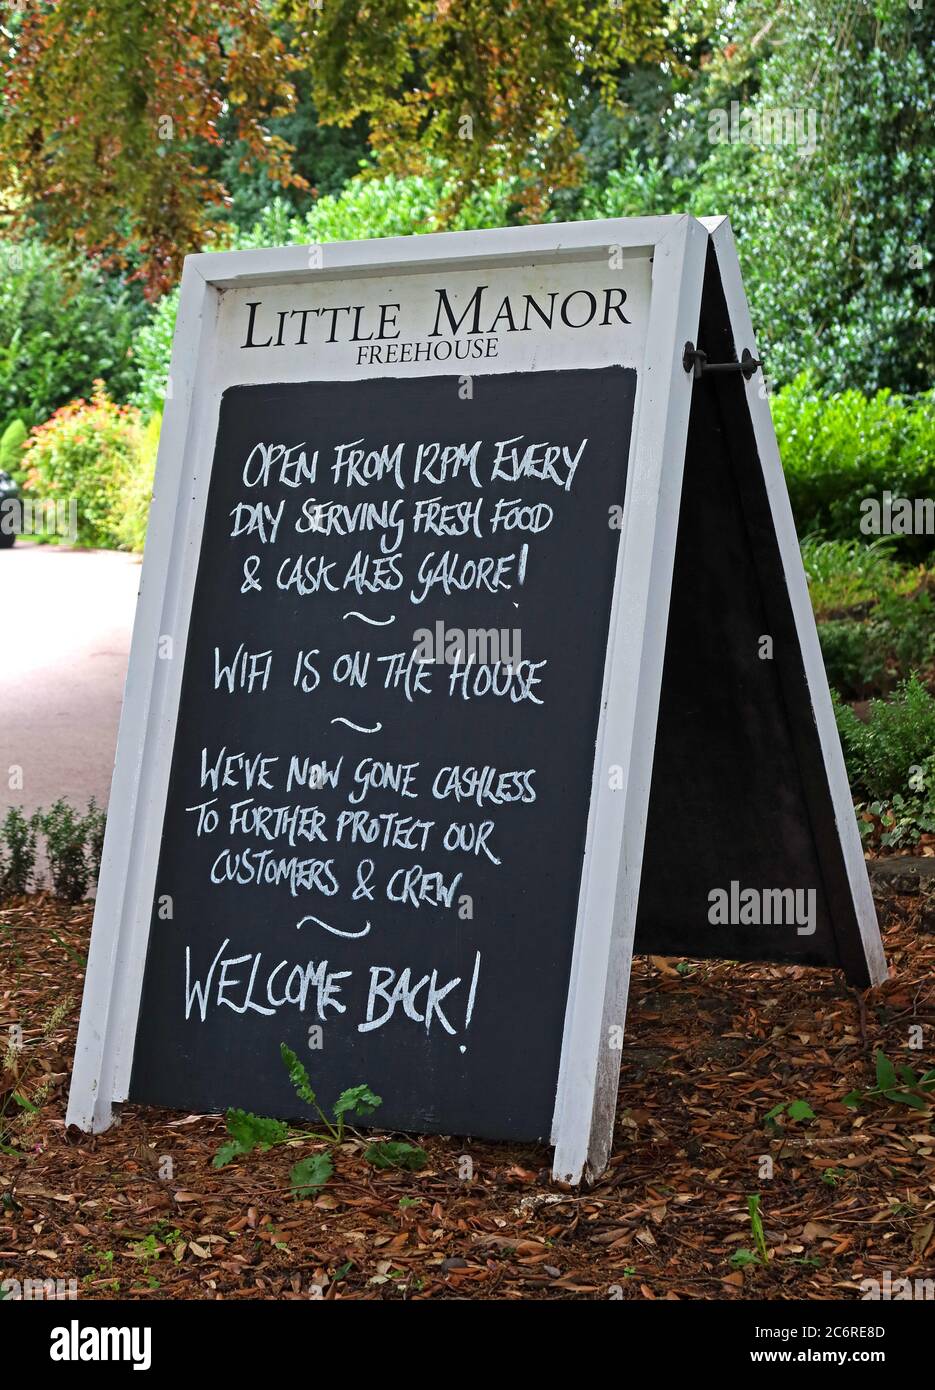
{"x":9,"y":510}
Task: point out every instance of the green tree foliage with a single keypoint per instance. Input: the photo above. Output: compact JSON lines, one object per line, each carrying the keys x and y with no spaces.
{"x":125,"y":124}
{"x":835,"y":241}
{"x":109,"y":107}
{"x":835,"y":244}
{"x":325,"y":158}
{"x":561,"y":110}
{"x":488,"y":88}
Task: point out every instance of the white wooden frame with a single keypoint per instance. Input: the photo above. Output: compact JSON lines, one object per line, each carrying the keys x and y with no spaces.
{"x":597,"y":996}
{"x":633,"y":667}
{"x":606,"y":917}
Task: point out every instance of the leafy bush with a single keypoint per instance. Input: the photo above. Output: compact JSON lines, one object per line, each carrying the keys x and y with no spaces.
{"x":901,"y":820}
{"x":838,"y":450}
{"x":844,"y":574}
{"x":11,"y":449}
{"x":61,"y":327}
{"x":904,"y":624}
{"x":897,"y":735}
{"x":868,"y":655}
{"x":137,"y":491}
{"x":641,"y":188}
{"x":891,"y":765}
{"x":876,"y":618}
{"x":853,"y":664}
{"x":89,"y":451}
{"x":66,"y":836}
{"x":17,"y":852}
{"x":95,"y":823}
{"x":152,"y":350}
{"x":379,"y":207}
{"x":73,"y":847}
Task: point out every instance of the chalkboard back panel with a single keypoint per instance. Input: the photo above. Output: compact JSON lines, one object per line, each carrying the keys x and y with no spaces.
{"x":738,"y":767}
{"x":494,"y":1073}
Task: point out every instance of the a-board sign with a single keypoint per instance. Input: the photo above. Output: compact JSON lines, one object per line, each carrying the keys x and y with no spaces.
{"x":386,"y":760}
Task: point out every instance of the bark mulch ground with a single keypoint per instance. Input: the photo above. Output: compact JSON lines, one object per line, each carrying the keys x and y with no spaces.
{"x":711,"y":1047}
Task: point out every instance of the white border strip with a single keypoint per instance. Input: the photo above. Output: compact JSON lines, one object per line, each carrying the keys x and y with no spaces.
{"x":107,"y":1029}
{"x":597,"y":997}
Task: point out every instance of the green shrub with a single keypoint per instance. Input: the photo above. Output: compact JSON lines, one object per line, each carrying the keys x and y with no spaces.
{"x":74,"y":843}
{"x":839,"y":450}
{"x":897,"y":736}
{"x":641,"y":188}
{"x":868,"y":655}
{"x":876,"y":618}
{"x":891,"y":765}
{"x":137,"y":491}
{"x":904,"y":626}
{"x":899,"y":821}
{"x":89,"y":451}
{"x":62,"y":325}
{"x":17,"y":852}
{"x":855,"y":667}
{"x":843,"y":574}
{"x":66,"y":836}
{"x":11,"y":449}
{"x":95,"y":823}
{"x":152,"y":351}
{"x":389,"y":206}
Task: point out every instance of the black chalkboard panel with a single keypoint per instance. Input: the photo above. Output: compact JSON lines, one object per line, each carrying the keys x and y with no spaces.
{"x":450,"y":1002}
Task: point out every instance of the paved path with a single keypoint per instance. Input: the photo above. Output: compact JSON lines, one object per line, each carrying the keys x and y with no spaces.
{"x":65,"y":618}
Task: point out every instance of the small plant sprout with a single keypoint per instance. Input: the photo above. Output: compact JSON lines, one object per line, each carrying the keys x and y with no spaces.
{"x":309,"y":1175}
{"x":897,"y":1083}
{"x":787,"y":1110}
{"x":760,"y":1253}
{"x":389,"y":1153}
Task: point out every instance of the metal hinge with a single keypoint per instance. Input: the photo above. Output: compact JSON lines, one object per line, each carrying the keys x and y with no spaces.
{"x":696,"y":361}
